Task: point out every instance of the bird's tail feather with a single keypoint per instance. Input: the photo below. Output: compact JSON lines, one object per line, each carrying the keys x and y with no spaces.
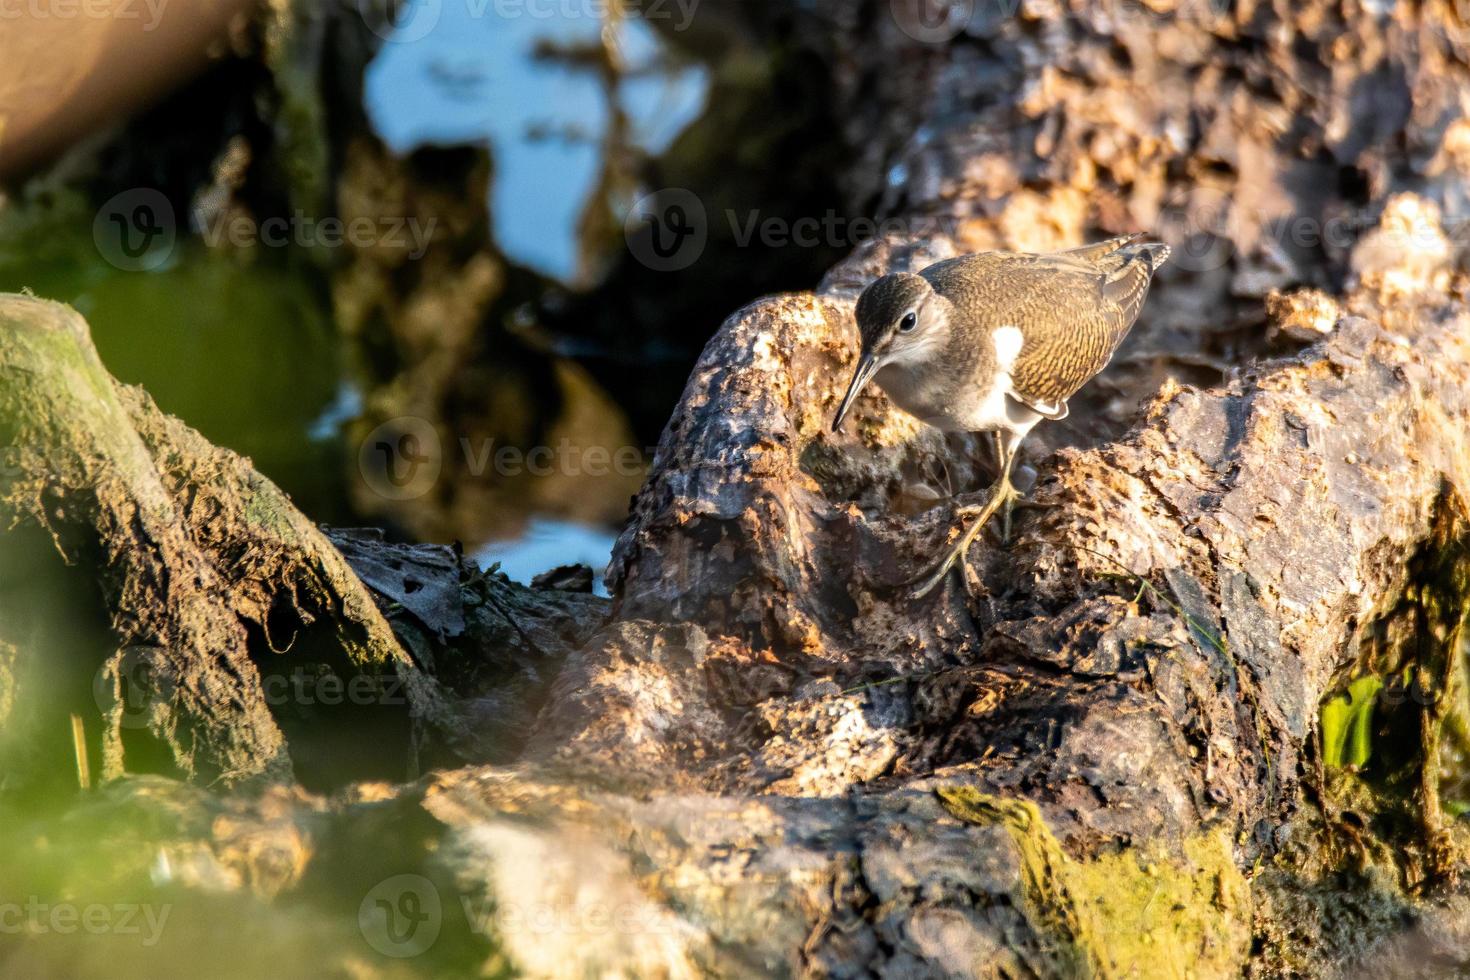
{"x":1157,"y":253}
{"x":1128,"y":272}
{"x":1118,"y":262}
{"x":1115,"y":254}
{"x":1099,"y":251}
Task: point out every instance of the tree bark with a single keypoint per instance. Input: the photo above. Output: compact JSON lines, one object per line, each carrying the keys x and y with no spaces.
{"x":1146,"y":661}
{"x":209,"y":578}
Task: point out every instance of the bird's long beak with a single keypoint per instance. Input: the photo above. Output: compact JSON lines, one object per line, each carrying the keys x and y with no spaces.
{"x":867,"y":366}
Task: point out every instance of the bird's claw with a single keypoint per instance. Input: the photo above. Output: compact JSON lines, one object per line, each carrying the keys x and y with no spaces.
{"x":1002,"y":497}
{"x":927,"y":585}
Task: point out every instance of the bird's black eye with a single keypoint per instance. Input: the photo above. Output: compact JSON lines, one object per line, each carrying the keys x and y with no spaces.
{"x":910,"y":321}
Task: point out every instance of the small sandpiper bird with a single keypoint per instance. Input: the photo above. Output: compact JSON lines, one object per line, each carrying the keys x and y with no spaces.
{"x":998,"y":341}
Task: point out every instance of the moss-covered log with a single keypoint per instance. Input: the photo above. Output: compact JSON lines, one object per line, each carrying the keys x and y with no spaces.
{"x":194,"y":549}
{"x":216,"y":591}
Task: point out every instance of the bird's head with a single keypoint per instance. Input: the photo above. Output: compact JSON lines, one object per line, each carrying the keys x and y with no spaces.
{"x":901,"y":319}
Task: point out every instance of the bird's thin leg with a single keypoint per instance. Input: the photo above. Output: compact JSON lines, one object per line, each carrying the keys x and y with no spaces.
{"x":1005,"y":444}
{"x":1002,"y":494}
{"x":1000,"y":452}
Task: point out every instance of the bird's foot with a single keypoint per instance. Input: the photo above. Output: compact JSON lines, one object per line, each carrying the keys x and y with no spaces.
{"x":1002,"y":495}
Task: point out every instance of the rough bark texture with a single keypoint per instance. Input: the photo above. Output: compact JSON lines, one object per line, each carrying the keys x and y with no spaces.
{"x":1147,"y":659}
{"x":1271,"y":529}
{"x":210,"y":577}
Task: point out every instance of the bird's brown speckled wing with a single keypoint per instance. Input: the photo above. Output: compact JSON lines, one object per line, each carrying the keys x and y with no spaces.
{"x":1073,"y":309}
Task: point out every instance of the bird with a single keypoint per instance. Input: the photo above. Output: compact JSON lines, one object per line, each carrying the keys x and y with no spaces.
{"x":996,"y":342}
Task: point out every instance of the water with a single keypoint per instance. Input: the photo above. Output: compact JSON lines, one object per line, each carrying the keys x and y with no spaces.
{"x":543,"y":94}
{"x":244,"y":352}
{"x":526,"y":86}
{"x":547,"y":544}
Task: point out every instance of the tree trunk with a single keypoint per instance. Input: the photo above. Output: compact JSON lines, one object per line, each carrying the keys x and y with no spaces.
{"x":211,"y":579}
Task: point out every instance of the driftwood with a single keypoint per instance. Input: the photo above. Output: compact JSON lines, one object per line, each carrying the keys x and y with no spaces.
{"x":1115,"y":747}
{"x":1145,"y":662}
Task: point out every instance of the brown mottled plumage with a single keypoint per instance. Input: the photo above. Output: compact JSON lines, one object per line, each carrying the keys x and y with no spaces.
{"x":997,"y":341}
{"x":1073,"y":309}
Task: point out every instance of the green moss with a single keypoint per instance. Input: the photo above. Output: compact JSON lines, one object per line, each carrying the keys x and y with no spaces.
{"x":1347,"y":724}
{"x":244,"y":351}
{"x":1131,"y":913}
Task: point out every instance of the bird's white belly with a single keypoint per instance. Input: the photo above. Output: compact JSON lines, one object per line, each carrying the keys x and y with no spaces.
{"x":988,"y":410}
